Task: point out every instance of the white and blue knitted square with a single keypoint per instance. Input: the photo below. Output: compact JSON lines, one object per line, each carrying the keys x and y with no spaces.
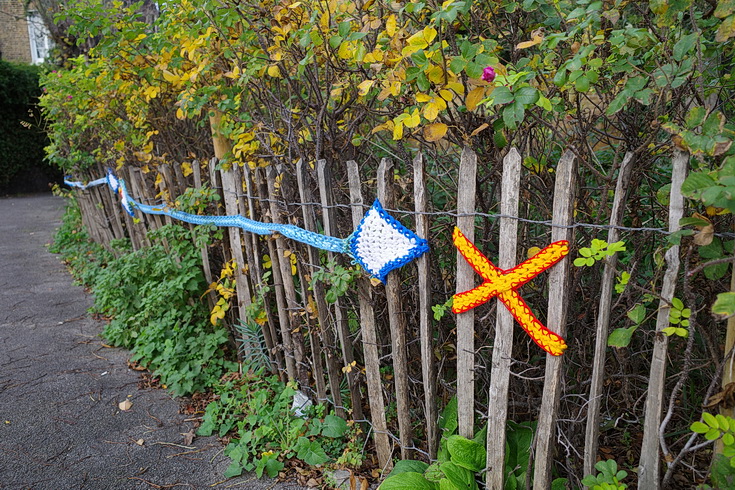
{"x":381,"y":244}
{"x":124,"y":200}
{"x":112,"y":180}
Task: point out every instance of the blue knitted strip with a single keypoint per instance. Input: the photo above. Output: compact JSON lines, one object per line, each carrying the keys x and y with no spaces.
{"x":80,"y":185}
{"x":350,"y":245}
{"x":289,"y":231}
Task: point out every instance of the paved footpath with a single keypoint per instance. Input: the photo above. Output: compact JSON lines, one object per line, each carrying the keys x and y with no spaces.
{"x":60,"y":387}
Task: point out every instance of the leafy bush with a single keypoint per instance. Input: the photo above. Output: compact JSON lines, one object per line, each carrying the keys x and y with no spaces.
{"x":266,"y":431}
{"x":152,"y":296}
{"x":22,"y":142}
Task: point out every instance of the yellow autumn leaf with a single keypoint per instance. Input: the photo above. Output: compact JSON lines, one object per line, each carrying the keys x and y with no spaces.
{"x":413,"y":120}
{"x":446,"y":94}
{"x":398,"y":130}
{"x":479,"y":129}
{"x":435,"y":74}
{"x":423,"y":97}
{"x":435,"y":131}
{"x":390,"y":25}
{"x":273,"y":71}
{"x":170,"y":77}
{"x":536,"y":38}
{"x":365,"y":87}
{"x":474,"y":98}
{"x":186,"y":169}
{"x":532,"y":251}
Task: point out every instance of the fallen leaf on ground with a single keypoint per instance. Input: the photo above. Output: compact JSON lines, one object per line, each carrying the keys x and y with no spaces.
{"x":125,"y":405}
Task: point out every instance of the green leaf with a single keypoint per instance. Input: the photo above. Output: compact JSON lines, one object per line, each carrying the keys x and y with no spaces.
{"x":710,"y":420}
{"x":712,"y":434}
{"x":334,"y":426}
{"x":407,"y":481}
{"x":527,"y":95}
{"x":724,"y":8}
{"x":459,"y":476}
{"x":684,"y":45}
{"x":310,"y":452}
{"x":725,"y":304}
{"x":620,"y":337}
{"x":235,"y":469}
{"x":501,"y":95}
{"x":408,"y":465}
{"x":695,"y":183}
{"x":699,"y":427}
{"x":466,"y":453}
{"x":695,"y":117}
{"x":676,"y":303}
{"x":433,"y":473}
{"x":637,"y":314}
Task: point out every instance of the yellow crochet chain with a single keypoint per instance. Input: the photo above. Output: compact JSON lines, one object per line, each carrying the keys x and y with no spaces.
{"x":503,"y":284}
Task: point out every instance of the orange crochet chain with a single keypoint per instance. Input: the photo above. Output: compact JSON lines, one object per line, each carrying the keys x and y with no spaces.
{"x":501,"y":283}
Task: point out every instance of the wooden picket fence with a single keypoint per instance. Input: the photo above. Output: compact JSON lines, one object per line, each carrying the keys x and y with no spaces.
{"x":317,"y":343}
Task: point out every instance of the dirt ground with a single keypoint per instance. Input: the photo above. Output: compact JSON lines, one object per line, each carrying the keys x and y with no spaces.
{"x":61,"y":426}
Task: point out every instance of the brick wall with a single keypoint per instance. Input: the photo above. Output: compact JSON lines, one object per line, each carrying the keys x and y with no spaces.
{"x":14,"y":42}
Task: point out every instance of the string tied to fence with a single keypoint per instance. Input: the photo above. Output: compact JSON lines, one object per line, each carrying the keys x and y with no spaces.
{"x":379,"y":245}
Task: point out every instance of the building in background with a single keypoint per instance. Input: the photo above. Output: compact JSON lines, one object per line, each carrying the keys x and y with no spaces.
{"x":23,"y":34}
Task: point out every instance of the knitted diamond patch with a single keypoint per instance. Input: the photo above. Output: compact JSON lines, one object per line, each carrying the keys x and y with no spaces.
{"x":381,"y":244}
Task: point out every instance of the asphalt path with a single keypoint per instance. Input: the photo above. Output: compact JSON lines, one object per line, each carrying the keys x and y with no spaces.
{"x":61,"y":426}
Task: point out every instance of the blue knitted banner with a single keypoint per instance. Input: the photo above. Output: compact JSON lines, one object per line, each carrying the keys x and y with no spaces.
{"x":380,"y":243}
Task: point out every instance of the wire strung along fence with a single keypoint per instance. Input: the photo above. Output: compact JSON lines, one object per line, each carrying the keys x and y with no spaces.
{"x":391,"y":356}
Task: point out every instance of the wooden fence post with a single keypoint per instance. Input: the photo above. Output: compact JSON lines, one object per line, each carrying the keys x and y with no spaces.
{"x":398,"y":325}
{"x":561,"y":221}
{"x":370,"y":337}
{"x":504,"y":324}
{"x":270,"y":334}
{"x":466,"y":192}
{"x":231,"y":187}
{"x":648,"y":474}
{"x":428,"y":369}
{"x":592,"y":432}
{"x":282,"y":262}
{"x":307,"y":212}
{"x":330,"y":228}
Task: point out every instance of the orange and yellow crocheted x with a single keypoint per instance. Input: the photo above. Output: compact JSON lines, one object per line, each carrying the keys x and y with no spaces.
{"x":503,"y":284}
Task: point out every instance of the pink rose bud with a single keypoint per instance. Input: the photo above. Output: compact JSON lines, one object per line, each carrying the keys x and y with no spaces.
{"x":488,"y":74}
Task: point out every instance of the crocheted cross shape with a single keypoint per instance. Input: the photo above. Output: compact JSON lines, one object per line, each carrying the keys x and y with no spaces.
{"x":381,"y":244}
{"x":503,"y":284}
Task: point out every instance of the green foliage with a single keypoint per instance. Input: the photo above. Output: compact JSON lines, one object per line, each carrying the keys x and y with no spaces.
{"x":337,"y":278}
{"x":608,"y":478}
{"x":679,"y":318}
{"x":598,"y":250}
{"x":152,"y":298}
{"x":621,"y":337}
{"x":21,"y":139}
{"x":148,"y":296}
{"x":256,"y":410}
{"x":714,"y":427}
